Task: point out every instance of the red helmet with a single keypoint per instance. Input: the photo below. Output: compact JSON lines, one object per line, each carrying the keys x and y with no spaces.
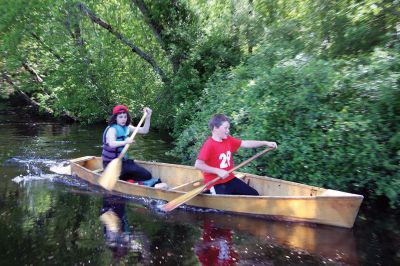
{"x":119,"y":109}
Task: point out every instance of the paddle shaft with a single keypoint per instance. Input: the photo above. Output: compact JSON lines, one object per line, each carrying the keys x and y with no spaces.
{"x":125,"y":149}
{"x":240,"y":165}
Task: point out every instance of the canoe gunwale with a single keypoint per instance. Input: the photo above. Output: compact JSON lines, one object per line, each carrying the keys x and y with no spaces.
{"x":344,"y":195}
{"x":241,"y":204}
{"x":265,"y":178}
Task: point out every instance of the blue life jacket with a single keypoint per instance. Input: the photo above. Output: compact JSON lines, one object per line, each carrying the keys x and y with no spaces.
{"x":109,"y":153}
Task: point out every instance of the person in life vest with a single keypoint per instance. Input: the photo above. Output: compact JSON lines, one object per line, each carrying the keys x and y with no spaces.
{"x":115,"y":137}
{"x":216,"y":158}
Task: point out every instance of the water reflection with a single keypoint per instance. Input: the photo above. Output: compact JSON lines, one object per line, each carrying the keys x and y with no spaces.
{"x":215,"y":246}
{"x":226,"y":241}
{"x":119,"y":238}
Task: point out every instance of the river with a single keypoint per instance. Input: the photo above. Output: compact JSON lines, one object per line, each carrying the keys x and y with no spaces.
{"x":49,"y":219}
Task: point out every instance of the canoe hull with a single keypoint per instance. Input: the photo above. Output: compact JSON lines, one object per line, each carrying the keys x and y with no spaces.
{"x":279,"y":199}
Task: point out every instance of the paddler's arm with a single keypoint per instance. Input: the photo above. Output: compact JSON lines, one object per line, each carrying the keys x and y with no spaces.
{"x":112,"y":141}
{"x":146,"y":127}
{"x":258,"y":143}
{"x":202,"y":166}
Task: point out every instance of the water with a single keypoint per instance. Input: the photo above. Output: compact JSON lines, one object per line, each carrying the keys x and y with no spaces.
{"x":48,"y":219}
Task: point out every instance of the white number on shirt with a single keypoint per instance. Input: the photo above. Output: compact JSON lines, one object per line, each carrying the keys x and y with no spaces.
{"x":226,"y":160}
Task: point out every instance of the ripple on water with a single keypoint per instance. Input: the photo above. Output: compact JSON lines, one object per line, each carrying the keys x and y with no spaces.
{"x":38,"y":169}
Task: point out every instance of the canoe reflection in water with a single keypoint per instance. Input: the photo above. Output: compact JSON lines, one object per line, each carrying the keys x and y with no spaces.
{"x":215,"y":246}
{"x":240,"y":240}
{"x":121,"y":241}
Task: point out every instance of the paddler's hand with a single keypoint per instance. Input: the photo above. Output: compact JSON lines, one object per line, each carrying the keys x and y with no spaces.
{"x":148,"y":111}
{"x":271,"y":144}
{"x":128,"y":141}
{"x":222,"y":173}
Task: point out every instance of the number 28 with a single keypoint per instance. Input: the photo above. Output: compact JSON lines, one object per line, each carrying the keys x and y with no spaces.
{"x":226,"y":159}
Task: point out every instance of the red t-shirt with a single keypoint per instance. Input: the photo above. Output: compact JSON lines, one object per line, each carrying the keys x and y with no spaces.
{"x":220,"y":155}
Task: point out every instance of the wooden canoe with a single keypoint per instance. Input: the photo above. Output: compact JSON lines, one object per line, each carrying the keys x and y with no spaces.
{"x":278,"y":199}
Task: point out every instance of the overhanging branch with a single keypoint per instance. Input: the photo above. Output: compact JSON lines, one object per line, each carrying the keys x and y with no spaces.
{"x":86,"y":11}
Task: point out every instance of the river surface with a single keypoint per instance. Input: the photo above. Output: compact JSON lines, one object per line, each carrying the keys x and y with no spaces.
{"x":50,"y":219}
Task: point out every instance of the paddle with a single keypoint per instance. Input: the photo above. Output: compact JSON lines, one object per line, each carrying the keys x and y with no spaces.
{"x":193,"y":193}
{"x":111,"y":174}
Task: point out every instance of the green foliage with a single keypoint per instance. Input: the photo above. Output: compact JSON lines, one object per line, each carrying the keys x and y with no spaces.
{"x":84,"y":80}
{"x":320,"y":77}
{"x":177,"y":25}
{"x":216,"y":52}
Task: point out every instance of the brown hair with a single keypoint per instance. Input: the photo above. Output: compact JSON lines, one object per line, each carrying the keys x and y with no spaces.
{"x":217,"y":120}
{"x":113,"y":119}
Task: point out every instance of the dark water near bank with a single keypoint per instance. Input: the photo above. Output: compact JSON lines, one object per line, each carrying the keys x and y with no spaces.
{"x":48,"y":219}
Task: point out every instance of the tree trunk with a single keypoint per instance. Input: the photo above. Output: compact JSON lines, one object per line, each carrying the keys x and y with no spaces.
{"x":47,"y":47}
{"x":250,"y":36}
{"x":154,"y":26}
{"x":36,"y":77}
{"x":34,"y":104}
{"x":86,"y":11}
{"x":157,"y":30}
{"x":75,"y":32}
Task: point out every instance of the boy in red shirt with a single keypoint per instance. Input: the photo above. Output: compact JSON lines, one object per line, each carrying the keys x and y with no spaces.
{"x":215,"y":158}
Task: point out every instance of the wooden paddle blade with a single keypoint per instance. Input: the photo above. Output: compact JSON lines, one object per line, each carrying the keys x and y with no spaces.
{"x":61,"y":170}
{"x":111,"y":221}
{"x":182,"y":199}
{"x":111,"y":174}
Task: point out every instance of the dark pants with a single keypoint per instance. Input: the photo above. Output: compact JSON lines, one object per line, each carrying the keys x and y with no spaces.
{"x":235,"y":187}
{"x":130,"y":170}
